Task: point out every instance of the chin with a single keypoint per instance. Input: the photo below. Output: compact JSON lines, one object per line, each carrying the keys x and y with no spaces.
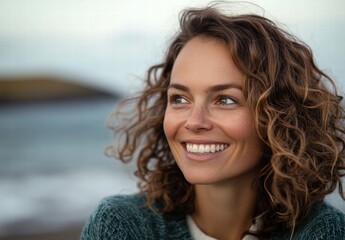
{"x":211,"y":177}
{"x":201,"y":179}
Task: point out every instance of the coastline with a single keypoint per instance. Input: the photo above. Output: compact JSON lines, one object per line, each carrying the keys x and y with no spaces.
{"x":67,"y":233}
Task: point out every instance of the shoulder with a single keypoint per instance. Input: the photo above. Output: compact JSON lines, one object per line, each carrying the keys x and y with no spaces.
{"x":324,"y":222}
{"x":128,"y":217}
{"x":125,"y":204}
{"x":116,"y":217}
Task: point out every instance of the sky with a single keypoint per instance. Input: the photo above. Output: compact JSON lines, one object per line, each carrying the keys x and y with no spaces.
{"x":112,"y":43}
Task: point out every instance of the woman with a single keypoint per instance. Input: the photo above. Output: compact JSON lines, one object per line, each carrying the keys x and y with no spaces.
{"x":237,"y":135}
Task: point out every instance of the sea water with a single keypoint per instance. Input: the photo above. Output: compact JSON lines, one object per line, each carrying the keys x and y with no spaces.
{"x":53,"y":171}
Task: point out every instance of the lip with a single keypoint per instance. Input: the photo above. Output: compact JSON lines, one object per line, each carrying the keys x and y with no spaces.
{"x":202,"y":157}
{"x":200,"y":141}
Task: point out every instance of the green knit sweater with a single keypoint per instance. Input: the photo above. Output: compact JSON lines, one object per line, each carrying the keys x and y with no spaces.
{"x":127,"y":217}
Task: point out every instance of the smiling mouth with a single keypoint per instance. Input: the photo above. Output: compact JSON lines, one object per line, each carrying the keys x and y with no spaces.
{"x":205,"y":148}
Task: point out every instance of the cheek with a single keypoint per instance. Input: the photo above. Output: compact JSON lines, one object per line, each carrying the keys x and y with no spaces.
{"x":242,"y":130}
{"x":240,"y":126}
{"x":168,"y":125}
{"x":246,"y":134}
{"x":172,"y":125}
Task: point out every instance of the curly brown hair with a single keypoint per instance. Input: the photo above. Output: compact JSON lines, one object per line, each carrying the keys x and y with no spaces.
{"x":298,"y":116}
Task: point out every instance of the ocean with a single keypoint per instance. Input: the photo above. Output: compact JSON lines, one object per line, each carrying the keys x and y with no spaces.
{"x":53,"y":170}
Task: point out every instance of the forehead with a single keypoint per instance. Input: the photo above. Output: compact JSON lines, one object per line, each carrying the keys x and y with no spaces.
{"x":205,"y":60}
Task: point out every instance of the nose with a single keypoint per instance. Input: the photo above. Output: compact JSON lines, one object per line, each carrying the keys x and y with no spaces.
{"x":198,"y":120}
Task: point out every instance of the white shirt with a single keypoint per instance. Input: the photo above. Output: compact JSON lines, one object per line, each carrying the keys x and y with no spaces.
{"x":197,"y":234}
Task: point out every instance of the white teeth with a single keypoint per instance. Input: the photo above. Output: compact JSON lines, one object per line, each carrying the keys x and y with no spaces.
{"x":213,"y":148}
{"x":201,"y":149}
{"x":205,"y":148}
{"x":194,"y":148}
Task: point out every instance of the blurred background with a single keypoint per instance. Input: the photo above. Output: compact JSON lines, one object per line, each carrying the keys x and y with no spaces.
{"x":63,"y":66}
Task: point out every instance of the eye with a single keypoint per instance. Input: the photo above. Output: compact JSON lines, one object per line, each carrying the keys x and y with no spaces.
{"x":225,"y":100}
{"x":177,"y":99}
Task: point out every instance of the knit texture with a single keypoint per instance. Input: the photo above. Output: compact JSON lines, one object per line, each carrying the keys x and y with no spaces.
{"x":127,"y":217}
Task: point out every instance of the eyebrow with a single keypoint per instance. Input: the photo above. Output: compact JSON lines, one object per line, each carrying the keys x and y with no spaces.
{"x":215,"y":88}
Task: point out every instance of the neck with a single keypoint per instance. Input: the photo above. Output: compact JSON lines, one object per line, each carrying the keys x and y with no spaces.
{"x":225,"y":210}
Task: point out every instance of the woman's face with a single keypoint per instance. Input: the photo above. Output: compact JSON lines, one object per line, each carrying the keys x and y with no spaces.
{"x":208,"y":124}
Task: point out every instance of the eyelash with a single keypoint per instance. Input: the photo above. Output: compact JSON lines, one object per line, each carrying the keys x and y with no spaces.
{"x":222,"y":97}
{"x":175,"y":98}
